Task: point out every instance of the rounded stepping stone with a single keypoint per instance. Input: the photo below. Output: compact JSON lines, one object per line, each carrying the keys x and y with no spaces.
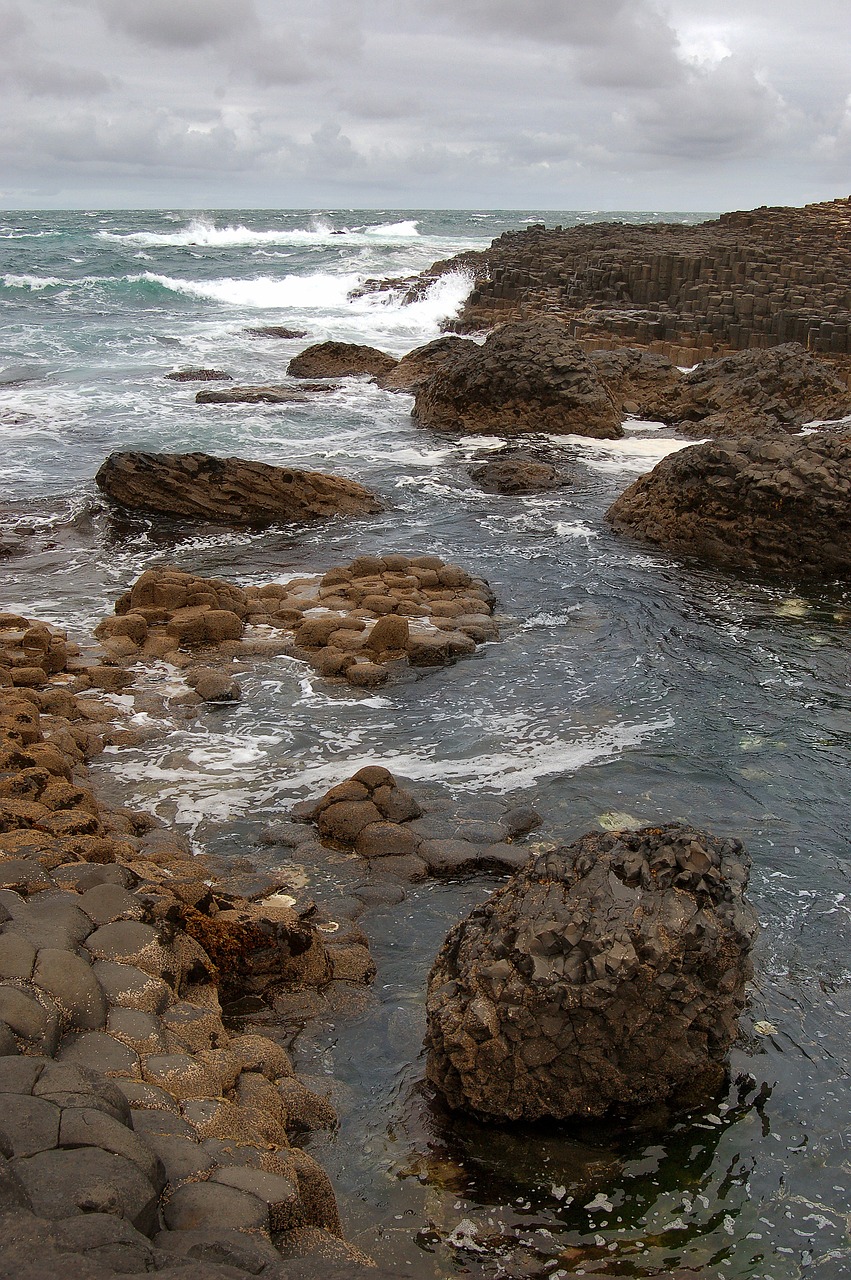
{"x":108,"y":1240}
{"x":223,"y":1246}
{"x":279,"y":1193}
{"x":194,"y":1026}
{"x":140,"y":1095}
{"x":32,"y":1016}
{"x":17,"y":956}
{"x":131,"y":987}
{"x":69,"y":980}
{"x":84,"y":1127}
{"x":130,"y":942}
{"x":88,"y":1180}
{"x":19,"y":1075}
{"x":83,"y":876}
{"x":147,"y":1122}
{"x":197,"y":1206}
{"x":180,"y":1075}
{"x":70,"y":1085}
{"x":31,"y":1125}
{"x":101,"y":1052}
{"x":106,"y":903}
{"x":141,"y":1031}
{"x":181,"y":1157}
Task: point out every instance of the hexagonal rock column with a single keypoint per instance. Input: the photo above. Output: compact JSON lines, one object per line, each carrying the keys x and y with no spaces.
{"x":605,"y":976}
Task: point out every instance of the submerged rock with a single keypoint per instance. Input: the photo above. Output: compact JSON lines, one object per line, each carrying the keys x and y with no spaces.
{"x":199,"y":375}
{"x":514,"y":470}
{"x":230,"y":491}
{"x":275,"y":331}
{"x":605,"y":976}
{"x":340,"y":360}
{"x":781,"y":504}
{"x":528,"y":377}
{"x":755,"y":393}
{"x":274,"y":393}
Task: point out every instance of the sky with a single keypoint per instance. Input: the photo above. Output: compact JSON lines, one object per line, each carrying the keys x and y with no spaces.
{"x":399,"y":104}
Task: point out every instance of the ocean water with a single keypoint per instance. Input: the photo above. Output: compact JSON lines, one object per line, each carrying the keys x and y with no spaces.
{"x":625,"y":683}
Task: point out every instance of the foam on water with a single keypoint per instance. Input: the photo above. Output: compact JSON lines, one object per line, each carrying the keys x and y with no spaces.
{"x":202,"y":233}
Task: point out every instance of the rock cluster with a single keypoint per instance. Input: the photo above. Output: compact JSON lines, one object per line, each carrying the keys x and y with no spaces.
{"x":751,"y":279}
{"x":230,"y":491}
{"x":355,"y":622}
{"x":340,"y":360}
{"x":781,"y":504}
{"x":606,"y":976}
{"x":408,"y":836}
{"x":136,"y":1129}
{"x":528,"y":376}
{"x":752,"y":393}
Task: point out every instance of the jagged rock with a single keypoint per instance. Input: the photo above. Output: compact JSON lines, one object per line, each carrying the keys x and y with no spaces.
{"x":529,"y":376}
{"x":340,"y":360}
{"x":607,"y":975}
{"x":419,"y":364}
{"x":199,"y":375}
{"x":275,"y":393}
{"x":275,"y":331}
{"x":781,"y":504}
{"x":230,"y":491}
{"x":638,"y":380}
{"x":755,"y":393}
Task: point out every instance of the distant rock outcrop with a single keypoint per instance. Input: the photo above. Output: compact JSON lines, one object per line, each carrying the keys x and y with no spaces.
{"x":606,"y":976}
{"x":753,"y":393}
{"x":781,"y":504}
{"x":528,"y":377}
{"x":231,"y":491}
{"x":340,"y":360}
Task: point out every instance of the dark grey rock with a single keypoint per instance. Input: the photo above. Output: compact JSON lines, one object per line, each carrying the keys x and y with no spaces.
{"x":449,"y":857}
{"x":124,"y":942}
{"x":85,"y":1127}
{"x":198,"y":1206}
{"x":141,"y":1031}
{"x":83,"y":876}
{"x":142,"y":1096}
{"x":89,"y":1180}
{"x":181,"y":1157}
{"x":72,"y":1085}
{"x":19,"y":1075}
{"x":101,"y":1052}
{"x":132,"y":988}
{"x":69,"y":980}
{"x":520,"y":820}
{"x":8,"y":1043}
{"x":32,"y":1016}
{"x":107,"y":1239}
{"x":108,"y":902}
{"x":31,"y":1125}
{"x":228,"y":1247}
{"x":280,"y":1194}
{"x":17,"y":956}
{"x":13,"y":1193}
{"x":151,"y":1122}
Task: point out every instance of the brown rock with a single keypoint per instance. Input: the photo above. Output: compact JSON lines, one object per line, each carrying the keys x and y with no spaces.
{"x":229,"y":491}
{"x":340,"y":360}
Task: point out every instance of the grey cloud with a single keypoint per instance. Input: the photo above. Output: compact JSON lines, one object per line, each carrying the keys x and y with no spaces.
{"x":53,"y":80}
{"x":178,"y":23}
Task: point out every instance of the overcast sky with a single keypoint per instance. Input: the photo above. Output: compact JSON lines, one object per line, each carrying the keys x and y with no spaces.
{"x":550,"y":104}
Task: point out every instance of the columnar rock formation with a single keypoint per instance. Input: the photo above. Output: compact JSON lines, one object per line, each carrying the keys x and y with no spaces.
{"x":603,"y":977}
{"x":230,"y":491}
{"x":137,"y":1132}
{"x":356,"y":622}
{"x":751,"y":279}
{"x":782,"y":505}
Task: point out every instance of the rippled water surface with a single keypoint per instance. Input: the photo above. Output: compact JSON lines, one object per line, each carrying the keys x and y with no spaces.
{"x":625,"y":683}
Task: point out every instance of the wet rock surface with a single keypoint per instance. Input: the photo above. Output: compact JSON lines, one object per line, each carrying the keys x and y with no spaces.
{"x":606,"y":976}
{"x":138,"y":1132}
{"x":340,"y":360}
{"x":753,"y":393}
{"x":528,"y":377}
{"x":230,"y":491}
{"x":781,"y":505}
{"x":419,"y":365}
{"x":199,"y":375}
{"x":275,"y":331}
{"x":360,"y":622}
{"x":406,"y":833}
{"x":274,"y":393}
{"x":520,"y":470}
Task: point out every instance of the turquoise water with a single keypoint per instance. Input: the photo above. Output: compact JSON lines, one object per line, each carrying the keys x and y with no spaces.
{"x":625,"y":682}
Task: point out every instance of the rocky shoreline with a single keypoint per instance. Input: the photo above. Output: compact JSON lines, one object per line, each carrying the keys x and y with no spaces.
{"x":145,"y":1128}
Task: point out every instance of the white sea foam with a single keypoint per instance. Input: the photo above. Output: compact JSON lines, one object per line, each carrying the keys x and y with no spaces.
{"x":201,"y":233}
{"x":632,"y":453}
{"x":33,"y":283}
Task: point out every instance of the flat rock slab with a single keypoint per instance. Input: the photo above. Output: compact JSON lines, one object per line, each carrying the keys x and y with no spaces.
{"x":229,"y":491}
{"x":88,"y":1180}
{"x":276,"y":393}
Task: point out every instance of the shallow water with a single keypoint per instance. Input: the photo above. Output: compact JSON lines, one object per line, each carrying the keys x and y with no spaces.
{"x":625,"y":683}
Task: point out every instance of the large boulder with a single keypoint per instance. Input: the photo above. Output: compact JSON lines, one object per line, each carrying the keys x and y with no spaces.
{"x":755,"y":393}
{"x":638,"y":380}
{"x":604,"y":977}
{"x":231,"y":491}
{"x":528,"y":376}
{"x":517,"y":470}
{"x":340,"y":360}
{"x":781,"y":504}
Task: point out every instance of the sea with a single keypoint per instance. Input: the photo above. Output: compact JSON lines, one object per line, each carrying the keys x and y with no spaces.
{"x":628,"y":687}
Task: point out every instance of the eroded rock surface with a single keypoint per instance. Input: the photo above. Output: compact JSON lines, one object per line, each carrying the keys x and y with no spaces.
{"x":779,"y":504}
{"x":520,"y":470}
{"x":607,"y":975}
{"x":528,"y":377}
{"x":418,"y":365}
{"x":274,"y":393}
{"x":230,"y":491}
{"x":754,"y":393}
{"x":199,"y":375}
{"x":340,"y":360}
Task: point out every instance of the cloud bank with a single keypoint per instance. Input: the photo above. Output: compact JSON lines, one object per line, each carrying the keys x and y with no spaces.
{"x":549,"y":104}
